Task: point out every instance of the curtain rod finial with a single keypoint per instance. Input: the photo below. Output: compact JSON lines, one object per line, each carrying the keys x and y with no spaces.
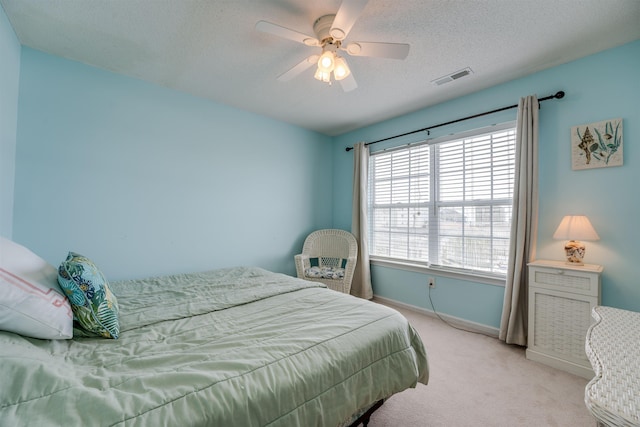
{"x":348,"y":149}
{"x":559,"y":95}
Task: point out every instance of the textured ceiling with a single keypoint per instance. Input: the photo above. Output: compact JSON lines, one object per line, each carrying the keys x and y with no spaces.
{"x":211,"y":48}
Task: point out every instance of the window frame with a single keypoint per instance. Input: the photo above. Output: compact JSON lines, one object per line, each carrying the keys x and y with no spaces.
{"x":486,"y":277}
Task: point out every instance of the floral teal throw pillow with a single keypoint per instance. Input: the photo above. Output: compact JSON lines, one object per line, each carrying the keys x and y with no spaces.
{"x":94,"y":307}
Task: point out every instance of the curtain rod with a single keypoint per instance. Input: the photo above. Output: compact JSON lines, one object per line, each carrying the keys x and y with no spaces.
{"x":558,"y":95}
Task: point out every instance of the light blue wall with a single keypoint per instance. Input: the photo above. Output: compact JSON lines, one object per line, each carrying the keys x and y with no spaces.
{"x":146,"y":181}
{"x":9,"y":79}
{"x":599,"y":87}
{"x":149,"y":181}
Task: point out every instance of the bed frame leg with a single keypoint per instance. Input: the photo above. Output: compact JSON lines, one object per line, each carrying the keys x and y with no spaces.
{"x":365,"y":418}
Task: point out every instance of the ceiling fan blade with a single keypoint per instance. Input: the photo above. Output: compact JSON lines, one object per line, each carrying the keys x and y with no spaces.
{"x":286,"y":33}
{"x":348,"y":83}
{"x":349,"y":11}
{"x":299,"y":68}
{"x":378,"y":50}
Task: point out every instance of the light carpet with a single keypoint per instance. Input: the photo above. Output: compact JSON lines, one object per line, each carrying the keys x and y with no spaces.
{"x":476,"y":380}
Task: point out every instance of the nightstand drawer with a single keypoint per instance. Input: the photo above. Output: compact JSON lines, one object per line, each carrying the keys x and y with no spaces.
{"x":564,"y":280}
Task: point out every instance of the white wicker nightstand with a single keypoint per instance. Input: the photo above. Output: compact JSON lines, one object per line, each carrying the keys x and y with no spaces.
{"x":613,"y":346}
{"x":561,"y":298}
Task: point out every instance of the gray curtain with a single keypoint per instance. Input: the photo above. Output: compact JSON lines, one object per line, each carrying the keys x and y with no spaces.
{"x":361,"y":285}
{"x":524,"y":225}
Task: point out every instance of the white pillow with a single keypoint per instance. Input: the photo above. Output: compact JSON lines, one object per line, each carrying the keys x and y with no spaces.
{"x":31,"y":302}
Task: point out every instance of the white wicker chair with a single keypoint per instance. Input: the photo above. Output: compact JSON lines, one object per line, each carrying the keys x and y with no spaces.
{"x":334,"y":249}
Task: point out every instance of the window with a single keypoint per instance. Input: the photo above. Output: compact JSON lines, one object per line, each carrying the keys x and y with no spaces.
{"x":446,"y":202}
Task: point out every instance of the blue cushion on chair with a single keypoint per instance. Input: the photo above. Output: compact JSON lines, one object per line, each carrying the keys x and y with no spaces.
{"x":324,"y":273}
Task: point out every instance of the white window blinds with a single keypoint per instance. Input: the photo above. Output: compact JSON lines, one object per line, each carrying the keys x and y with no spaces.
{"x":446,"y":202}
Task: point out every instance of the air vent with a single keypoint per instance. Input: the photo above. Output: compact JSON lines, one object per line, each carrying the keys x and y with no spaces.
{"x":451,"y":77}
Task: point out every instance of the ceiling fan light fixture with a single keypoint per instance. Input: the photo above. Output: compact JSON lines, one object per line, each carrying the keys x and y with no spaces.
{"x":331,"y":31}
{"x":322,"y":76}
{"x":341,"y":69}
{"x":327,"y":61}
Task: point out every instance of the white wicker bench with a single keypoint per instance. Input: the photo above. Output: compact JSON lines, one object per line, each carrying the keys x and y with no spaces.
{"x":613,"y":348}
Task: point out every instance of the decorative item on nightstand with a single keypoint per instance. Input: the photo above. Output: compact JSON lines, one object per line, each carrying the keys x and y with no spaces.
{"x":575,"y":228}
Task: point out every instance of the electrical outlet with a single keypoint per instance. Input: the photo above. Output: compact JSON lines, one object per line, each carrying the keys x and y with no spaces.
{"x":432,"y":282}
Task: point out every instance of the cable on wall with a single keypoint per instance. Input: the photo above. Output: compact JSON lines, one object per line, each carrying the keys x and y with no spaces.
{"x":558,"y":95}
{"x":433,"y":308}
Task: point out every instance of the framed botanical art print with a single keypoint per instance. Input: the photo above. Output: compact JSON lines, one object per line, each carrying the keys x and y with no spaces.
{"x":596,"y":145}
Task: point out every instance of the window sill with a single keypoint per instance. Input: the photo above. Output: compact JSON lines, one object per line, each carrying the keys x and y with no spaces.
{"x":487,"y":279}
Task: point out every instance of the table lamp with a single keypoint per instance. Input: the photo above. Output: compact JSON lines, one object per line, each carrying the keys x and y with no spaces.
{"x":575,"y":228}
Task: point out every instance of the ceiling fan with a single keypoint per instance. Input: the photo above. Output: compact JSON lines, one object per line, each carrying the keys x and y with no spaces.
{"x":331,"y":32}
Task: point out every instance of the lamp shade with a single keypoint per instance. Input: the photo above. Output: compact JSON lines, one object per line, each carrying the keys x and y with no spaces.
{"x":323,"y":76}
{"x":327,"y":61}
{"x":575,"y":227}
{"x":341,"y":69}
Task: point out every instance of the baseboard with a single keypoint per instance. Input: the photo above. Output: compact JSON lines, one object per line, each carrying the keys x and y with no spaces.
{"x":563,"y":365}
{"x":456,"y":321}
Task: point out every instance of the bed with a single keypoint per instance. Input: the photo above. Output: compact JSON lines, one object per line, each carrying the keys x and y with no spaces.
{"x":229,"y":347}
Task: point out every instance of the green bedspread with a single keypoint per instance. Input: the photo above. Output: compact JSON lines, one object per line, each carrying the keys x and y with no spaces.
{"x":232,"y":347}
